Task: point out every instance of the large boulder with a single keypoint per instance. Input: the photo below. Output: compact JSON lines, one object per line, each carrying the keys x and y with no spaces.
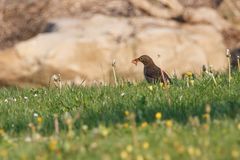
{"x":20,"y":20}
{"x":83,"y":49}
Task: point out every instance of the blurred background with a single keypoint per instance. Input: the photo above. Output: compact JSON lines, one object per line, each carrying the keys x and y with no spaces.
{"x":79,"y":39}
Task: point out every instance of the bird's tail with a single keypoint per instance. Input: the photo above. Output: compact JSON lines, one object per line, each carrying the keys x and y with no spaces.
{"x":165,"y":77}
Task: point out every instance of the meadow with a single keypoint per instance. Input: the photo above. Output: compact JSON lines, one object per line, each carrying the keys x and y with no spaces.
{"x":193,"y":118}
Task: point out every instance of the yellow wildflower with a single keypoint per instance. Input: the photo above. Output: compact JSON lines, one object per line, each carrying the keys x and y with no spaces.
{"x":2,"y":132}
{"x":235,"y":154}
{"x":125,"y":125}
{"x":145,"y":145}
{"x":192,"y":82}
{"x":129,"y":148}
{"x":158,"y":115}
{"x":238,"y":126}
{"x":206,"y":116}
{"x":161,"y":84}
{"x":198,"y":152}
{"x":126,"y":113}
{"x":166,"y":86}
{"x":166,"y":156}
{"x":144,"y":124}
{"x":150,"y":88}
{"x":194,"y":152}
{"x":140,"y":157}
{"x":4,"y":153}
{"x":105,"y":132}
{"x":124,"y":155}
{"x":191,"y":151}
{"x":39,"y":120}
{"x":189,"y":74}
{"x":53,"y":144}
{"x":169,"y":123}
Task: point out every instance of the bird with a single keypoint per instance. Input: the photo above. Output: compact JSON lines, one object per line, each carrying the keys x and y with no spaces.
{"x":152,"y":73}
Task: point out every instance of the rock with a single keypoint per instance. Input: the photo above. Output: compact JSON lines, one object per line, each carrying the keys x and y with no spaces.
{"x":185,"y":49}
{"x":231,"y":37}
{"x":161,"y":8}
{"x":197,"y":3}
{"x":66,"y":8}
{"x":83,"y":49}
{"x":205,"y":15}
{"x":20,"y":20}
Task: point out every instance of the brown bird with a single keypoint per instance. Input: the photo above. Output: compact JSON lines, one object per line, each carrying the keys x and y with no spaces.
{"x":152,"y":73}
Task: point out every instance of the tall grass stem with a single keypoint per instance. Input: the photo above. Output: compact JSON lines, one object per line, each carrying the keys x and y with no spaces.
{"x":114,"y":72}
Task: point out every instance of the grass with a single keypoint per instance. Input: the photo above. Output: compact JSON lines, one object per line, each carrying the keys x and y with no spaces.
{"x":119,"y":122}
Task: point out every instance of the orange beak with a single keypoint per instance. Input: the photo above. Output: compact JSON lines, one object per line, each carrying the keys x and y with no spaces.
{"x":135,"y":61}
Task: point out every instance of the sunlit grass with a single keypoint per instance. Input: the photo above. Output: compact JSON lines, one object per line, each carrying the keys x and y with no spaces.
{"x":191,"y":119}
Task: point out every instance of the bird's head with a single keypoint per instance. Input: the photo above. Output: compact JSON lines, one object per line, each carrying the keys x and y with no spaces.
{"x":145,"y":59}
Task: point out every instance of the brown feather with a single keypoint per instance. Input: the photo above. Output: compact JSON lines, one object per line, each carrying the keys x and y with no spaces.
{"x":152,"y":73}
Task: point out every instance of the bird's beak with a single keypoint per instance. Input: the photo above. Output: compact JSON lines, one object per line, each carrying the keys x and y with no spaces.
{"x":135,"y":61}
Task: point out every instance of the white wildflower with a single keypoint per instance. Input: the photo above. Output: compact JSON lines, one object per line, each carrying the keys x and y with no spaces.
{"x":35,"y":115}
{"x":28,"y":139}
{"x":122,"y":94}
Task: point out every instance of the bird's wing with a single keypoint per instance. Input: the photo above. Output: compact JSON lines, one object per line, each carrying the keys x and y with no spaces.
{"x":152,"y":72}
